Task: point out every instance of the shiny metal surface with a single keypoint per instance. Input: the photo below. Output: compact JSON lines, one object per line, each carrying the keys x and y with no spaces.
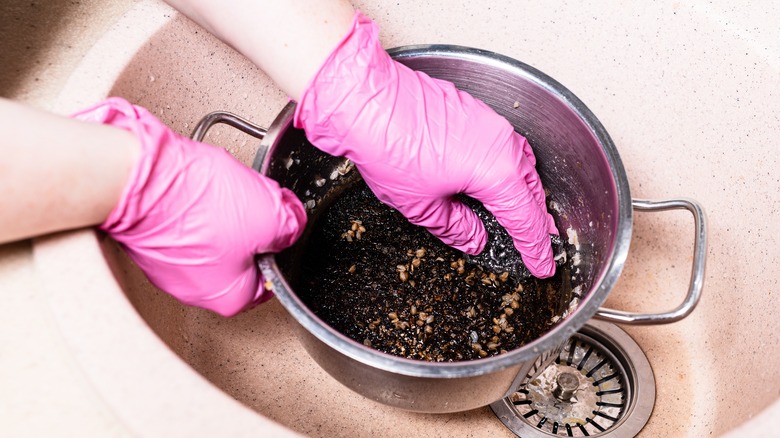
{"x":566,"y":386}
{"x":227,"y":118}
{"x":615,"y":396}
{"x":578,"y":164}
{"x":697,"y":270}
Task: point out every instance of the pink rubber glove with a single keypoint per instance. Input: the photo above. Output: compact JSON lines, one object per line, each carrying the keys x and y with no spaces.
{"x":418,"y":141}
{"x":193,"y":217}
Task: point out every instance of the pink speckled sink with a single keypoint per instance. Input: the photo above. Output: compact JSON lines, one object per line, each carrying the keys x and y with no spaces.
{"x":683,"y":89}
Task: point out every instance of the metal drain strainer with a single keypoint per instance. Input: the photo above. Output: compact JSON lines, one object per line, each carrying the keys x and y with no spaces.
{"x":601,"y":384}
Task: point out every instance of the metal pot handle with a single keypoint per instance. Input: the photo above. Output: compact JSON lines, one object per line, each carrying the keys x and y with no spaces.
{"x":697,"y":270}
{"x":227,"y":118}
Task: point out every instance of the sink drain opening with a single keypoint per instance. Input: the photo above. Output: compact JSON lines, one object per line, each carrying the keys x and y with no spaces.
{"x":600,"y":384}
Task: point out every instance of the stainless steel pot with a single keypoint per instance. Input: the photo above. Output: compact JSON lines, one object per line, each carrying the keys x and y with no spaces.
{"x":578,"y":164}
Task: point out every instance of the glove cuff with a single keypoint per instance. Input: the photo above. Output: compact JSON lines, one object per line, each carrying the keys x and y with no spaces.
{"x":353,"y":73}
{"x":120,"y":113}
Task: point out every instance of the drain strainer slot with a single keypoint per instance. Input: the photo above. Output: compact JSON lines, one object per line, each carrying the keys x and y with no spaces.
{"x":601,"y":384}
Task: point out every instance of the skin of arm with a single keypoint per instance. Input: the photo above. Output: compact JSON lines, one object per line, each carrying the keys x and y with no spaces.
{"x":289,"y":40}
{"x":57,"y":173}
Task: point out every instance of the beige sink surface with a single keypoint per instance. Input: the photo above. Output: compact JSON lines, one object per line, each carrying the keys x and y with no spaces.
{"x":686,"y":92}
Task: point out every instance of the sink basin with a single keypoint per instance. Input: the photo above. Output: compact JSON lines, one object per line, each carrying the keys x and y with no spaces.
{"x":165,"y":367}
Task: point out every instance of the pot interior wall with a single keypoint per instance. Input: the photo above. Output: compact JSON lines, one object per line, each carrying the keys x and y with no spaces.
{"x":571,"y":161}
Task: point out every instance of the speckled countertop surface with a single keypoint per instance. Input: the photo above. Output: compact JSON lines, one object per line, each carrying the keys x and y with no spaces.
{"x":42,"y":391}
{"x":694,"y":112}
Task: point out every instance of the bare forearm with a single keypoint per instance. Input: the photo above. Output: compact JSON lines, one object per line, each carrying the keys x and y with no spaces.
{"x":287,"y":39}
{"x":57,"y":173}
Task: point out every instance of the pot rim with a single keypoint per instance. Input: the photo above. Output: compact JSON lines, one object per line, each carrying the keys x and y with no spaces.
{"x":588,"y":305}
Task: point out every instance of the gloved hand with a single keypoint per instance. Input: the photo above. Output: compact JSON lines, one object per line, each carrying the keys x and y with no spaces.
{"x":418,"y":141}
{"x":193,"y":217}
